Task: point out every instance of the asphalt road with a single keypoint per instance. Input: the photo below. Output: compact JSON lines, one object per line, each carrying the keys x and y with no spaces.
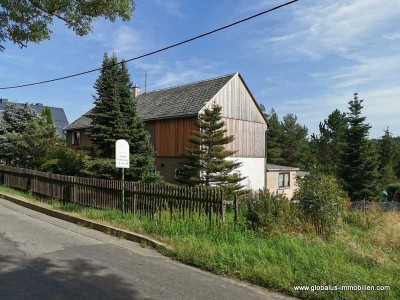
{"x":46,"y":258}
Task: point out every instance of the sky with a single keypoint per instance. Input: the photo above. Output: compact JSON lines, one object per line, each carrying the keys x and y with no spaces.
{"x":307,"y":59}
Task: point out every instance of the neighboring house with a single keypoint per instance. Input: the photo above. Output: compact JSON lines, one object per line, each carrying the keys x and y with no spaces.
{"x":59,"y":117}
{"x":281,"y":180}
{"x":169,"y":115}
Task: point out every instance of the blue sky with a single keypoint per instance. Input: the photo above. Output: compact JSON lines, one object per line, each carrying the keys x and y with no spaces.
{"x":306,"y":59}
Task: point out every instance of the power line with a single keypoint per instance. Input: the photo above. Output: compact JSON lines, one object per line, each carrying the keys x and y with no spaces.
{"x":156,"y":51}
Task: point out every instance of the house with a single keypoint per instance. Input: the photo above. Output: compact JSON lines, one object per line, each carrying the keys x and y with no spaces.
{"x":169,"y":115}
{"x":59,"y":117}
{"x":282,"y":180}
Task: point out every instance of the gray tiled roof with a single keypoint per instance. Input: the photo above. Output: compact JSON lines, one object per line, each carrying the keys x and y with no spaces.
{"x":59,"y":117}
{"x":180,"y":101}
{"x":83,"y":121}
{"x":271,"y":167}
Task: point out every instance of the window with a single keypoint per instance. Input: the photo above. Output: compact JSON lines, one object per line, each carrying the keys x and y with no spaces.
{"x":284,"y":180}
{"x":76,"y":138}
{"x":178,"y":172}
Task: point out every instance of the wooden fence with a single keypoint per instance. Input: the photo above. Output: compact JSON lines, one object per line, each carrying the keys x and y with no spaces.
{"x":143,"y":199}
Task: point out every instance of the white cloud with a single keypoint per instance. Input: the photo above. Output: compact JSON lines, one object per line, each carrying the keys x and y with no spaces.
{"x":339,"y":27}
{"x":172,"y":7}
{"x":376,"y":71}
{"x":381,"y":107}
{"x":126,"y":41}
{"x":164,"y":74}
{"x":393,"y":36}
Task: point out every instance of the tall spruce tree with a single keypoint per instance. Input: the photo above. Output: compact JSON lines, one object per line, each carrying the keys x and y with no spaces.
{"x":360,"y":167}
{"x":274,"y":139}
{"x":295,"y":148}
{"x":207,"y":162}
{"x":328,"y":147}
{"x":387,"y":158}
{"x":115,"y":117}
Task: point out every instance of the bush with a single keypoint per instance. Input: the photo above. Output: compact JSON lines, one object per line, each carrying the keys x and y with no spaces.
{"x":323,"y":202}
{"x":270,"y":213}
{"x":393,"y":191}
{"x":65,"y":161}
{"x":102,"y":168}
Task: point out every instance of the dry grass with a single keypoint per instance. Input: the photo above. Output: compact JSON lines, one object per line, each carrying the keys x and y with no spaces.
{"x":387,"y":232}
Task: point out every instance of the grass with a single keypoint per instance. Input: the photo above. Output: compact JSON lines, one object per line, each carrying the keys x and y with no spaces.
{"x":366,"y":251}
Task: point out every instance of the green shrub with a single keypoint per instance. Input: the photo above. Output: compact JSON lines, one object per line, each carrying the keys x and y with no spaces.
{"x":268,"y":213}
{"x":323,"y":202}
{"x":103,"y":168}
{"x":65,"y":161}
{"x":393,"y":191}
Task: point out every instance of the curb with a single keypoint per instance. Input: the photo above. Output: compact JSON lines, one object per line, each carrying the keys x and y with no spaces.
{"x":127,"y":235}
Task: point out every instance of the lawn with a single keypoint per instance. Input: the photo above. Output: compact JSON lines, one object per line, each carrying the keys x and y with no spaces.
{"x":365,"y":251}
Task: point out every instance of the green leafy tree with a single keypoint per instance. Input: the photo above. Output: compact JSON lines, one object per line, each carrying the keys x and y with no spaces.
{"x":323,"y":202}
{"x":27,"y":21}
{"x":207,"y":162}
{"x":328,"y":147}
{"x":387,"y":157}
{"x":360,"y":167}
{"x":115,"y":117}
{"x":295,"y":148}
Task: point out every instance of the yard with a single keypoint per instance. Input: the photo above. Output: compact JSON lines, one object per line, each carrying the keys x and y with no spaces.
{"x":365,"y":251}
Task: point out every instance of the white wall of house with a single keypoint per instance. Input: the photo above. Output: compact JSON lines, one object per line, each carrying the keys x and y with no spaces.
{"x":253,"y":169}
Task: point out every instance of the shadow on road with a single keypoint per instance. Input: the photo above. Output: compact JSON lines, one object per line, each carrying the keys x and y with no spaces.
{"x":38,"y":278}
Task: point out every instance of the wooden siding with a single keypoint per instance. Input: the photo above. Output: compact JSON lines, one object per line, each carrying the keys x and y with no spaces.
{"x":242,"y":119}
{"x":249,"y":138}
{"x":172,"y":136}
{"x":237,"y":102}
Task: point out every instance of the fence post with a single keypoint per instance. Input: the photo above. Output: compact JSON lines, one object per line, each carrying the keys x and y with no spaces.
{"x":223,"y":207}
{"x":134,"y":197}
{"x":236,"y":207}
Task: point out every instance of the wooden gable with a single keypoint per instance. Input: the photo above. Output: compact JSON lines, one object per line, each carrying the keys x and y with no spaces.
{"x":243,"y":118}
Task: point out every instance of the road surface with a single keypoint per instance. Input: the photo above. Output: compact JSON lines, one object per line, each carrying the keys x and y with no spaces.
{"x":46,"y":258}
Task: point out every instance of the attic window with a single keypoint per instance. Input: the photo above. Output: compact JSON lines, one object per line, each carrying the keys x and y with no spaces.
{"x":76,"y":138}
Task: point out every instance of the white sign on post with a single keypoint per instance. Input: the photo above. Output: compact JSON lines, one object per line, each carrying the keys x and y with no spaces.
{"x":122,"y":154}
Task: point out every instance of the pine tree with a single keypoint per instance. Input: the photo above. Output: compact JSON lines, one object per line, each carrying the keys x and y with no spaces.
{"x":47,"y":115}
{"x":106,"y":114}
{"x":360,"y":167}
{"x":207,"y":162}
{"x":115,"y":117}
{"x":274,"y":140}
{"x":328,"y":147}
{"x":387,"y":155}
{"x":295,"y":148}
{"x":133,"y":130}
{"x":15,"y":121}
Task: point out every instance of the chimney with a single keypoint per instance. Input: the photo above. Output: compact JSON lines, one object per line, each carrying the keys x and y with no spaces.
{"x":136,"y":91}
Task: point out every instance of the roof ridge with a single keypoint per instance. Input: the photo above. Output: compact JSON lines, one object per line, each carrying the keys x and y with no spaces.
{"x":189,"y":83}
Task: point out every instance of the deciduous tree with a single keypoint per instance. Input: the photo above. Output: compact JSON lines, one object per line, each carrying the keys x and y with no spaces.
{"x":25,"y":21}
